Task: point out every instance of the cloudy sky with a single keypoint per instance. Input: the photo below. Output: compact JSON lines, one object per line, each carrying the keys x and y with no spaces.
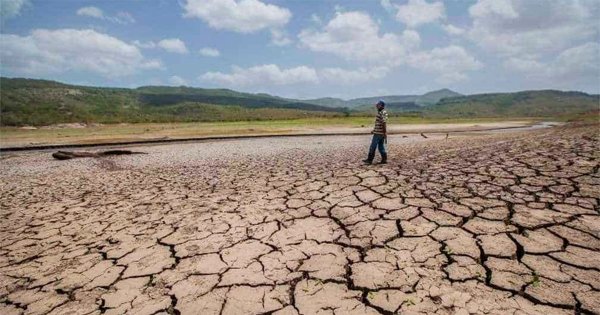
{"x":307,"y":48}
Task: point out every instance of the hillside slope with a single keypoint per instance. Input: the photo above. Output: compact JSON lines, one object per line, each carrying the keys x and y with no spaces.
{"x":433,"y":97}
{"x":41,"y":102}
{"x":543,"y":103}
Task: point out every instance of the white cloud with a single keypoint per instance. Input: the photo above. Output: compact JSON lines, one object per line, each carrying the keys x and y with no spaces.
{"x":450,"y":63}
{"x":262,"y":75}
{"x":59,"y":51}
{"x":418,"y":12}
{"x":453,"y":30}
{"x":122,"y":17}
{"x":209,"y":52}
{"x":355,"y":36}
{"x":91,"y":12}
{"x":580,"y":63}
{"x":339,"y":8}
{"x":500,"y":8}
{"x":12,"y":8}
{"x":177,"y":81}
{"x":174,"y":45}
{"x":148,"y":44}
{"x":273,"y":75}
{"x":524,"y":27}
{"x":243,"y":16}
{"x":548,"y":43}
{"x":527,"y":65}
{"x":388,"y":6}
{"x":316,"y":19}
{"x":340,"y":76}
{"x":280,"y":38}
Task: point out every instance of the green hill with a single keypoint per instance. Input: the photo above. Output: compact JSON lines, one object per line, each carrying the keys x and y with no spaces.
{"x":446,"y":103}
{"x":543,"y":103}
{"x":42,"y":102}
{"x":433,"y":97}
{"x":164,"y":96}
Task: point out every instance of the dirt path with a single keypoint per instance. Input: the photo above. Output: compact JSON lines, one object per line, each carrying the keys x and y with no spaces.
{"x":472,"y":224}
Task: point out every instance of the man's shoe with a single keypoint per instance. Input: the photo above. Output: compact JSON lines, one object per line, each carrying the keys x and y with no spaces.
{"x":383,"y":159}
{"x":367,"y":161}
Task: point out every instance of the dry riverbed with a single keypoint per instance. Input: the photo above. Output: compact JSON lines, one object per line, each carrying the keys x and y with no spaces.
{"x":494,"y":223}
{"x":106,"y":134}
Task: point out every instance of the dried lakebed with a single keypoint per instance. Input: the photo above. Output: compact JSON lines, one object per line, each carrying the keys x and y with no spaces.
{"x":491,"y":223}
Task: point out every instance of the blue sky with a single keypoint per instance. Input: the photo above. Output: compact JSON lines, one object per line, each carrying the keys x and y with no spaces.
{"x":307,"y":48}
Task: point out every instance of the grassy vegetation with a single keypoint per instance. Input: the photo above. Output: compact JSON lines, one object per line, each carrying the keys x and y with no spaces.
{"x":547,"y":103}
{"x":434,"y":97}
{"x":41,"y":103}
{"x":591,"y":117}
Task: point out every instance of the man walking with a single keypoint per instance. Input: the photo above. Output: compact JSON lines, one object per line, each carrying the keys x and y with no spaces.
{"x":379,"y":134}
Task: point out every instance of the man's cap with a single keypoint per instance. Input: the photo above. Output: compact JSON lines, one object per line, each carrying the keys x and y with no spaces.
{"x":381,"y":102}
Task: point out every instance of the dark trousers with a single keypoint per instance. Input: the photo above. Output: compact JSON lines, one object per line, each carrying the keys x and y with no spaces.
{"x":378,"y":142}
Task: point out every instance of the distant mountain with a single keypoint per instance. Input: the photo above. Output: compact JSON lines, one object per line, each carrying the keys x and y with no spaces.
{"x":42,"y":102}
{"x":544,"y":103}
{"x":433,"y":97}
{"x":167,"y":95}
{"x":426,"y":99}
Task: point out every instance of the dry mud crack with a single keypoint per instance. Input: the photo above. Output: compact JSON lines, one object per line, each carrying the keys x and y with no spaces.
{"x":488,"y":224}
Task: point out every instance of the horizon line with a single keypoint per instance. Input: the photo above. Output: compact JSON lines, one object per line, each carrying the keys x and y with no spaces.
{"x":290,"y":98}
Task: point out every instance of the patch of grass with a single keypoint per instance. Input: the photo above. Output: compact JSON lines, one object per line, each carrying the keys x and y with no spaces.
{"x":520,"y":104}
{"x":591,"y":116}
{"x":408,"y":302}
{"x":535,"y":282}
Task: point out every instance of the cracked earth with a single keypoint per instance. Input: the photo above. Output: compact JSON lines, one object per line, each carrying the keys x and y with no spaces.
{"x":475,"y":224}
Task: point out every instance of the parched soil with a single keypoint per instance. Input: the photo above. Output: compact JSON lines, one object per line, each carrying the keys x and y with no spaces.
{"x":480,"y":224}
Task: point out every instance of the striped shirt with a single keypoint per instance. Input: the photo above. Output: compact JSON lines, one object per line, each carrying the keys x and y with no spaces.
{"x":380,"y":122}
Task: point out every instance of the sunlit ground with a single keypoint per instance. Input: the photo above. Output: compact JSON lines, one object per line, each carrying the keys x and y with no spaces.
{"x":72,"y":134}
